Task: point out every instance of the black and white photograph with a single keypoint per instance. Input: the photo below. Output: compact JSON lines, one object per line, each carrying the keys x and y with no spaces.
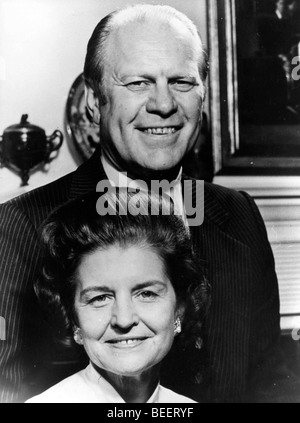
{"x":149,"y":204}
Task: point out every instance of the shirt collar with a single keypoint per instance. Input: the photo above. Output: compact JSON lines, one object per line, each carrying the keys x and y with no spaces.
{"x":105,"y":390}
{"x":121,"y":180}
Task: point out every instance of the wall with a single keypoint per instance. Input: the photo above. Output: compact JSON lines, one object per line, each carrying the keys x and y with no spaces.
{"x":42,"y":50}
{"x":278,"y":198}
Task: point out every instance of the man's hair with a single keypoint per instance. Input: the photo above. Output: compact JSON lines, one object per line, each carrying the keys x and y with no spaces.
{"x":76,"y":230}
{"x":97,"y":49}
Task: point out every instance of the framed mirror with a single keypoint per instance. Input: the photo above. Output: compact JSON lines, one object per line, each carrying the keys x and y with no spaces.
{"x":255,"y":86}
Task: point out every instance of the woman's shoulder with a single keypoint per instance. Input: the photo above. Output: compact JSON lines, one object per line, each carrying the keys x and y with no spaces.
{"x":168,"y":396}
{"x":69,"y":390}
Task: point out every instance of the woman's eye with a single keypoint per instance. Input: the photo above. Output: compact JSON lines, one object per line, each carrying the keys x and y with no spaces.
{"x":148,"y":295}
{"x":99,"y":300}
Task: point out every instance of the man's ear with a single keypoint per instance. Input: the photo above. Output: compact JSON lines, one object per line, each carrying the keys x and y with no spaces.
{"x":92,"y":103}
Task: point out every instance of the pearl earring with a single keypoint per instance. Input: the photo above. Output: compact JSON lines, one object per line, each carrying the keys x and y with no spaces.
{"x":177,"y":329}
{"x":77,"y":336}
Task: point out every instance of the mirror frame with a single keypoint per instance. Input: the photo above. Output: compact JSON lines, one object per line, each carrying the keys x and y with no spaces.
{"x":224,"y":107}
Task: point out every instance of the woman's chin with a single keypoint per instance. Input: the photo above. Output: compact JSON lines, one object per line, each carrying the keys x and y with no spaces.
{"x":130,"y":370}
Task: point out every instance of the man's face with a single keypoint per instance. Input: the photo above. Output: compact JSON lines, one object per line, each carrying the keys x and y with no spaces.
{"x":154,"y":95}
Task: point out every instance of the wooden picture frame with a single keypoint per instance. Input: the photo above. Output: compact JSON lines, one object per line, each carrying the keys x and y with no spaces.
{"x":232,"y":154}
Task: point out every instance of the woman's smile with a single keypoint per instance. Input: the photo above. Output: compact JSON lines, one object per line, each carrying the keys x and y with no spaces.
{"x":127,"y":343}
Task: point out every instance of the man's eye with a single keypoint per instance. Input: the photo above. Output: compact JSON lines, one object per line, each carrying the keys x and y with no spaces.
{"x":182,"y":85}
{"x":137,"y":85}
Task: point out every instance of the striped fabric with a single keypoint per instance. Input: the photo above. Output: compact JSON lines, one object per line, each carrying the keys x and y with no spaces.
{"x":241,"y":332}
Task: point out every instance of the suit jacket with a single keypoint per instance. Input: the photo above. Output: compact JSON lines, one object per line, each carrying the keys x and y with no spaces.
{"x":242,"y":328}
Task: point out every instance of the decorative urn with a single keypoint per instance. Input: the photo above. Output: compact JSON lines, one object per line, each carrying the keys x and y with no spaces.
{"x":24,"y":146}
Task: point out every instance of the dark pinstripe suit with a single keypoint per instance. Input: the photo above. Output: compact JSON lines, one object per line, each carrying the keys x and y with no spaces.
{"x":243,"y":327}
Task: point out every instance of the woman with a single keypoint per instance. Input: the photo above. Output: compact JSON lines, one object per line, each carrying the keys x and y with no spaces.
{"x":124,"y":286}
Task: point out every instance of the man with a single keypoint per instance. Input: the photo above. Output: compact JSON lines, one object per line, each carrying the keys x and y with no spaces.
{"x":145,"y":71}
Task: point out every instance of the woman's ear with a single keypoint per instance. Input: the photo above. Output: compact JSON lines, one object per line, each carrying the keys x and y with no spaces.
{"x":92,"y":103}
{"x":78,"y":336}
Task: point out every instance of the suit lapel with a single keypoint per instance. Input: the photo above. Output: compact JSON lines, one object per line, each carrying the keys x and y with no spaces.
{"x":229,"y":269}
{"x":213,"y":209}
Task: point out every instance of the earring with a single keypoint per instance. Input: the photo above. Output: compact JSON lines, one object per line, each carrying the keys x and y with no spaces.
{"x":77,"y":336}
{"x":177,"y":328}
{"x":199,"y":344}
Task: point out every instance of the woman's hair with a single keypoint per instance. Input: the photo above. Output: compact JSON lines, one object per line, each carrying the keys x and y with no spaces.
{"x":76,"y":230}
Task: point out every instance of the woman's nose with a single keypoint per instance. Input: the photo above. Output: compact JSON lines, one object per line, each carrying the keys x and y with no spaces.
{"x":161,"y":101}
{"x":124,"y":315}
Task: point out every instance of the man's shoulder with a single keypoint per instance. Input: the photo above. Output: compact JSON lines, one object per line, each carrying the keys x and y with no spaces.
{"x":38,"y":203}
{"x":228,"y":204}
{"x":226,"y":197}
{"x":222,"y":192}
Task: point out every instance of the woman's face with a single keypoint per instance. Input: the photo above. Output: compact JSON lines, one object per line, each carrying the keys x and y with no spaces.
{"x":126,"y":309}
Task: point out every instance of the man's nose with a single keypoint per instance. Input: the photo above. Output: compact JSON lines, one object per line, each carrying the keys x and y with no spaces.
{"x":161,"y":101}
{"x":124,"y":314}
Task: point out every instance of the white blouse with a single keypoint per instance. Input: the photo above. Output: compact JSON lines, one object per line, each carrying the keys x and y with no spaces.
{"x":87,"y":386}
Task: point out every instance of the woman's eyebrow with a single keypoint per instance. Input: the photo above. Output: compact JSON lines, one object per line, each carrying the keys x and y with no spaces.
{"x":105,"y":289}
{"x":150,"y":284}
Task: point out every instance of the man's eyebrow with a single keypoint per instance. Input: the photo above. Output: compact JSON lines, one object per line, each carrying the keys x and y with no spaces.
{"x":192,"y":78}
{"x":136,"y":75}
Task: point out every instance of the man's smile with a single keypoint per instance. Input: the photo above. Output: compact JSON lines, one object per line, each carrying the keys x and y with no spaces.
{"x":160,"y":131}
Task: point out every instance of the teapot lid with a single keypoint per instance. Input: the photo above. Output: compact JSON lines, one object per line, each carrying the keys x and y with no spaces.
{"x":24,"y":126}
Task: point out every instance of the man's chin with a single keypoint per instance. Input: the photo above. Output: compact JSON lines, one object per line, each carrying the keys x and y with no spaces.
{"x":162,"y":164}
{"x":158,"y":173}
